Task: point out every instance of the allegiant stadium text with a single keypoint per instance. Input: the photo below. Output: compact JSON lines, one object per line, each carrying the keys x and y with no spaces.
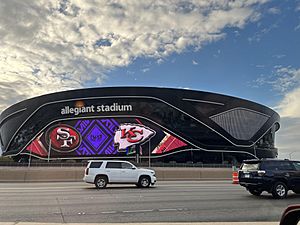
{"x":115,"y":107}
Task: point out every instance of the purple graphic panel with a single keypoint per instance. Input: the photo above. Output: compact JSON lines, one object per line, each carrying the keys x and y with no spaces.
{"x":97,"y":137}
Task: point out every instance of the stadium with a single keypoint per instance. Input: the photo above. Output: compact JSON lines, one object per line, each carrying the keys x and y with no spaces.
{"x":164,"y":124}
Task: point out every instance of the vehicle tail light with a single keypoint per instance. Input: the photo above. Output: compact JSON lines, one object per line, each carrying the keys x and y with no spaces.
{"x":261,"y":173}
{"x":87,"y":171}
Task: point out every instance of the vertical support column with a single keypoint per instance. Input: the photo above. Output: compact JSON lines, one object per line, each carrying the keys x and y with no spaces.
{"x":49,"y":149}
{"x":29,"y":161}
{"x":137,"y":154}
{"x":149,"y":154}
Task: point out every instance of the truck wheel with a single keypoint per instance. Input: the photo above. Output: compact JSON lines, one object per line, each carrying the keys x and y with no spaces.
{"x":144,"y":182}
{"x":255,"y":192}
{"x":100,"y":182}
{"x":280,"y":190}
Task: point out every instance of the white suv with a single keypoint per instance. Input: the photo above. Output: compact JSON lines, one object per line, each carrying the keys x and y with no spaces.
{"x":102,"y":172}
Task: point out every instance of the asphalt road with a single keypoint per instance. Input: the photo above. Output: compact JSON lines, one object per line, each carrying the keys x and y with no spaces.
{"x":188,"y":201}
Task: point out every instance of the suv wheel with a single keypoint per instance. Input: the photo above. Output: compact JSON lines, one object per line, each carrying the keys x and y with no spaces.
{"x":100,"y":182}
{"x":279,"y":190}
{"x":255,"y":192}
{"x":144,"y":182}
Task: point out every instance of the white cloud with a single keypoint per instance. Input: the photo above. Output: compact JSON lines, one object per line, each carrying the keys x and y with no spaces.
{"x":290,"y":105}
{"x":287,"y":138}
{"x":194,"y":62}
{"x":52,"y":45}
{"x":287,"y":78}
{"x":145,"y":70}
{"x":284,"y":80}
{"x":297,"y":9}
{"x":279,"y":56}
{"x":236,"y":33}
{"x":260,"y":66}
{"x":159,"y":61}
{"x":260,"y":34}
{"x":274,"y":11}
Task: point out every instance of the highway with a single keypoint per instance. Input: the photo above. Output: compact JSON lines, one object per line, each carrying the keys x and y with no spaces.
{"x":168,"y":201}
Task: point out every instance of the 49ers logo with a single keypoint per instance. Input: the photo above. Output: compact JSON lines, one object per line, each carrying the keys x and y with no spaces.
{"x":64,"y":138}
{"x":131,"y":134}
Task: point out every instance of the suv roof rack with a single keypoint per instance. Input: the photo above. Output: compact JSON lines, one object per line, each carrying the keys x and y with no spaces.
{"x":266,"y":159}
{"x":273,"y":159}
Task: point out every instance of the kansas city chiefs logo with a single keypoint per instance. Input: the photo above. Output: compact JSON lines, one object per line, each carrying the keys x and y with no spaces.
{"x":132,"y":134}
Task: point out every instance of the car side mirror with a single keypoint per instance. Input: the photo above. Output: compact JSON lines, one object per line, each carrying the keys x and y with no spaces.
{"x":291,"y":216}
{"x":134,"y":168}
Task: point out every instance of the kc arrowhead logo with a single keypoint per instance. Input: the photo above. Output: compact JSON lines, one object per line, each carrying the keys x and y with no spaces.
{"x":132,"y":134}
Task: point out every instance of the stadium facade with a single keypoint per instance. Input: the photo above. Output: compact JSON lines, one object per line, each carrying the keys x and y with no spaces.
{"x":122,"y":122}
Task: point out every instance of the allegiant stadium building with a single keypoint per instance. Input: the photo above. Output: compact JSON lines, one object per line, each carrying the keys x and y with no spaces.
{"x":121,"y":122}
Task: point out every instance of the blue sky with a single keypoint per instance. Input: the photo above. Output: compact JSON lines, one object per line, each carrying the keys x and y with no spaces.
{"x":247,"y":48}
{"x":229,"y":66}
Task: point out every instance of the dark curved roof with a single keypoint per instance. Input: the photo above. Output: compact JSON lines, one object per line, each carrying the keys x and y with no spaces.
{"x":211,"y":110}
{"x":109,"y":91}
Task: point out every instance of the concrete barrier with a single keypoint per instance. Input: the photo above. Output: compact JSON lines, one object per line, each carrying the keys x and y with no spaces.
{"x":163,"y":173}
{"x":51,"y":174}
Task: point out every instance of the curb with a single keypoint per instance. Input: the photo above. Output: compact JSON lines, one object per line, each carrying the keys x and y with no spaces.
{"x":177,"y":223}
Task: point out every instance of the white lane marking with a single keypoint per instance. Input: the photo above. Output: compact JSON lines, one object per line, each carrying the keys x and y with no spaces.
{"x":138,"y":211}
{"x":42,"y":188}
{"x":152,"y":210}
{"x":164,"y":210}
{"x":180,"y":183}
{"x":109,"y":212}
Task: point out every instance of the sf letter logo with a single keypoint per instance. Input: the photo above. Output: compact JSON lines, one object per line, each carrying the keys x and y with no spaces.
{"x":63,"y":138}
{"x":63,"y":134}
{"x":132,"y":135}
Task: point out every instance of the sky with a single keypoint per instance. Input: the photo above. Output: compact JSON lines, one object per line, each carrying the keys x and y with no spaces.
{"x":245,"y":48}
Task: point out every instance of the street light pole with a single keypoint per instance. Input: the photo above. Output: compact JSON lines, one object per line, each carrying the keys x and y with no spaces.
{"x":149,"y":154}
{"x":254,"y":149}
{"x":29,"y":161}
{"x":49,"y":150}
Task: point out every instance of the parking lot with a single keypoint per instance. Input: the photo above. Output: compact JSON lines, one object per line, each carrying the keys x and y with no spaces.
{"x":168,"y":201}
